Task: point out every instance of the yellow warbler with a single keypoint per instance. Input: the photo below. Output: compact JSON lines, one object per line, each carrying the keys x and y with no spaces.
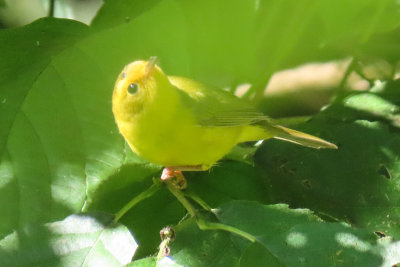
{"x":183,"y":124}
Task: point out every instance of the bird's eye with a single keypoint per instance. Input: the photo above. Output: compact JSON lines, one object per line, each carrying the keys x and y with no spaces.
{"x":133,"y":88}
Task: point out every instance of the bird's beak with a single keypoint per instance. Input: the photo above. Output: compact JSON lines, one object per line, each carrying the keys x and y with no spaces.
{"x":150,"y":66}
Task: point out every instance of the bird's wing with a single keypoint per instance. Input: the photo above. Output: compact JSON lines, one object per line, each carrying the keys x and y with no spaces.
{"x":215,"y":107}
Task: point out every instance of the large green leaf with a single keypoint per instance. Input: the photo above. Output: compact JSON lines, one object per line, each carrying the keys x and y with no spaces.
{"x":258,"y":255}
{"x":116,"y":12}
{"x":25,"y":52}
{"x":228,"y":181}
{"x":294,"y":237}
{"x":358,"y":183}
{"x":25,"y":167}
{"x":78,"y":240}
{"x":198,"y":248}
{"x":231,"y":42}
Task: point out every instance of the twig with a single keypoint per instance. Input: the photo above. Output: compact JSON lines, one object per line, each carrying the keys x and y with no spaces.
{"x":51,"y":8}
{"x":142,"y":196}
{"x":342,"y":86}
{"x":201,"y":223}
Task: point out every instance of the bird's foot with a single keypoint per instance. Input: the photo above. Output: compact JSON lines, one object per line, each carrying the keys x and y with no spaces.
{"x":175,"y":177}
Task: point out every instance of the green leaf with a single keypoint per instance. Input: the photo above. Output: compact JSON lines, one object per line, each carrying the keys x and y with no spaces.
{"x":148,"y":217}
{"x":358,"y":183}
{"x":145,"y":262}
{"x":268,"y":35}
{"x":380,"y":103}
{"x":382,"y":46}
{"x":24,"y":165}
{"x":289,"y":237}
{"x":113,"y":13}
{"x":258,"y":255}
{"x":228,"y":181}
{"x":194,"y":247}
{"x":25,"y":52}
{"x":353,"y":24}
{"x":152,"y":262}
{"x":295,"y":237}
{"x":78,"y":240}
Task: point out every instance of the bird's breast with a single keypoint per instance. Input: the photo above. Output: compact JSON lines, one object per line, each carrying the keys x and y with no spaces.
{"x":176,"y":139}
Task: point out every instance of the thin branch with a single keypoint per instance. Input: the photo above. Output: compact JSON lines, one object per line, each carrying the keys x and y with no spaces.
{"x":342,"y":86}
{"x":201,"y":223}
{"x":51,"y":8}
{"x":142,"y":196}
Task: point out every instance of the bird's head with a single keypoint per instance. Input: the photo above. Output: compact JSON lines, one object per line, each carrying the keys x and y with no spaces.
{"x":137,"y":84}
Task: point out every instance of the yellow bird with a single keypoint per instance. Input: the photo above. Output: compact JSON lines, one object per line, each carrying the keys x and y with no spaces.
{"x":183,"y":124}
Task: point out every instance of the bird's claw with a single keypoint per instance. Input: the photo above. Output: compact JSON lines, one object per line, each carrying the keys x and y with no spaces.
{"x":174,"y":177}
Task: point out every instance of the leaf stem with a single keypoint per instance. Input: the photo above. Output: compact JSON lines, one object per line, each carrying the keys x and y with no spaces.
{"x":162,"y":248}
{"x":342,"y":86}
{"x":201,"y":223}
{"x":394,"y":69}
{"x":181,"y":198}
{"x":257,"y":89}
{"x":142,"y":196}
{"x":205,"y":225}
{"x":198,"y":200}
{"x":51,"y":8}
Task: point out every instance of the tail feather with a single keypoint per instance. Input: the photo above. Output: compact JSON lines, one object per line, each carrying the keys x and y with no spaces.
{"x":299,"y":138}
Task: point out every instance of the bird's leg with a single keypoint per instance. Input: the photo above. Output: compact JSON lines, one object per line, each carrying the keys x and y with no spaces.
{"x":174,"y":174}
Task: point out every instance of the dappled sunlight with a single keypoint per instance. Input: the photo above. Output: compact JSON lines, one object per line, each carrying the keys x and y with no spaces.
{"x":389,"y":252}
{"x":167,"y":261}
{"x":349,"y":240}
{"x":68,"y":178}
{"x":6,"y":173}
{"x":77,"y":224}
{"x":93,"y":229}
{"x":372,"y":103}
{"x":296,"y":239}
{"x":14,"y":239}
{"x":91,"y":238}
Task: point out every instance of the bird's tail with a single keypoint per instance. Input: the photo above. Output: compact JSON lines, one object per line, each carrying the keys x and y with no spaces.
{"x":297,"y":137}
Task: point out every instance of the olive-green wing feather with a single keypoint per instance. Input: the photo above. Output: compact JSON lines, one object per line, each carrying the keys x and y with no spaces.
{"x":297,"y":137}
{"x":215,"y":107}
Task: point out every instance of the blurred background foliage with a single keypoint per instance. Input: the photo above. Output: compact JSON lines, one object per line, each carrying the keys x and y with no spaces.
{"x":15,"y":13}
{"x":61,"y":152}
